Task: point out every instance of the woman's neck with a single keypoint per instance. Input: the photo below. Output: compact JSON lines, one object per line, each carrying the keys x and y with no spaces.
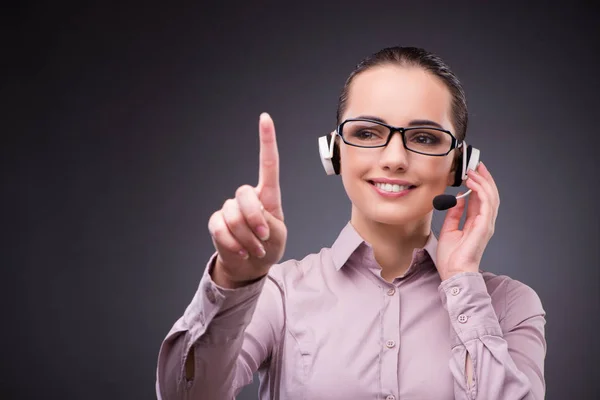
{"x":393,"y":245}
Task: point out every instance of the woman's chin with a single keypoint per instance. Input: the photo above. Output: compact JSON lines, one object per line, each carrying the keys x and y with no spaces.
{"x":393,"y":214}
{"x":393,"y":219}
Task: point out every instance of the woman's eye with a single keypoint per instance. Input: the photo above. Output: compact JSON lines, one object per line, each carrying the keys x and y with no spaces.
{"x":424,"y":139}
{"x":366,"y":135}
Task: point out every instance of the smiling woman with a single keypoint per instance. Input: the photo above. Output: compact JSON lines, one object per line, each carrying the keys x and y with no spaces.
{"x":388,"y":311}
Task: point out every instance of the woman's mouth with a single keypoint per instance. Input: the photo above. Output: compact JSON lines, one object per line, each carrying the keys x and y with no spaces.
{"x":391,"y":189}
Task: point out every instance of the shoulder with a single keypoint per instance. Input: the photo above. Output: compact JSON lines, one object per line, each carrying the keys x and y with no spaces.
{"x":516,"y":300}
{"x":289,"y":272}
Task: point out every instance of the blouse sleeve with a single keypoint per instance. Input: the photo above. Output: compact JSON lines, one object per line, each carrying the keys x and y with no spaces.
{"x":228,"y":332}
{"x":507,"y":355}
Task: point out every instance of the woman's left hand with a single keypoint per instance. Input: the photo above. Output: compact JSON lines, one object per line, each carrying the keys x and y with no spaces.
{"x":461,"y":251}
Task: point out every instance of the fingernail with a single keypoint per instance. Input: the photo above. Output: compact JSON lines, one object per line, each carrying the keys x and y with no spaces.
{"x":243,"y":254}
{"x":260,"y":252}
{"x":263,"y":233}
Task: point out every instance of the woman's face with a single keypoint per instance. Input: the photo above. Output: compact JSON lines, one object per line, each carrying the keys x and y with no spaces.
{"x":398,"y":96}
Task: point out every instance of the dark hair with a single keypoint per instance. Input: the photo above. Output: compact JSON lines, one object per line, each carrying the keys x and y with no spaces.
{"x":415,"y":57}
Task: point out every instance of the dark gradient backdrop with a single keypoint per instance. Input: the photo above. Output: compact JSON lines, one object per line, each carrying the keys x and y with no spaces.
{"x":125,"y":127}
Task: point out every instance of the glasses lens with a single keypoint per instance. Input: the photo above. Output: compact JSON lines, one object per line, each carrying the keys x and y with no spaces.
{"x":371,"y":134}
{"x":363,"y":133}
{"x":428,"y":141}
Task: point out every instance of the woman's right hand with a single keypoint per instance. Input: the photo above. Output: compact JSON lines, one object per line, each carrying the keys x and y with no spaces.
{"x":248,"y":232}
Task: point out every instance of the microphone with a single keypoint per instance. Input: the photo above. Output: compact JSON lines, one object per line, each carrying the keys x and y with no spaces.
{"x":446,"y":201}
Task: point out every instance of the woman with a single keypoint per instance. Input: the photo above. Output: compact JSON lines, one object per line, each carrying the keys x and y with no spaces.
{"x":388,"y":311}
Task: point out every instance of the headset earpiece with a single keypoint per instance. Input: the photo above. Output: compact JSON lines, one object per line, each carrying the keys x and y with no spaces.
{"x":468,"y":160}
{"x":329,"y":153}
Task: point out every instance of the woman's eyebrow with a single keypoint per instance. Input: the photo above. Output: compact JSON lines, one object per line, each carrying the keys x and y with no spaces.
{"x":372,"y":118}
{"x":414,"y":122}
{"x":427,"y":122}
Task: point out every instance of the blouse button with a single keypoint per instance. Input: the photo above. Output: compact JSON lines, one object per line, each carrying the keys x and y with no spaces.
{"x":390,"y":343}
{"x":462,"y":318}
{"x":390,"y":397}
{"x":455,"y":291}
{"x":391,"y":292}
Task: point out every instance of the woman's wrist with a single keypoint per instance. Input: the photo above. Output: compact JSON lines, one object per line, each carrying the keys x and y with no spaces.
{"x":221,"y":278}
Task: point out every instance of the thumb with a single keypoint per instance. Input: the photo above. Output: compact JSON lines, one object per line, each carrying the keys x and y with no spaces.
{"x":275,"y":223}
{"x":270,"y":201}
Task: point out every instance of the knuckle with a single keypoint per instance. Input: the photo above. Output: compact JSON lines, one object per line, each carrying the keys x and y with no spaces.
{"x":234,"y":222}
{"x":213,"y":221}
{"x":232,"y":246}
{"x":270,"y":163}
{"x":242,"y":190}
{"x":230,"y":210}
{"x":228,"y":204}
{"x":255,"y":217}
{"x":219,"y":235}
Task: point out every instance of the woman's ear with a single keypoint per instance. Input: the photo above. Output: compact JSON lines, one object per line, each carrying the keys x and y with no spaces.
{"x":336,"y":151}
{"x":452,"y":173}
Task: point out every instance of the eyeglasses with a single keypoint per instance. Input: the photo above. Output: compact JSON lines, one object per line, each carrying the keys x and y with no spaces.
{"x":419,"y":139}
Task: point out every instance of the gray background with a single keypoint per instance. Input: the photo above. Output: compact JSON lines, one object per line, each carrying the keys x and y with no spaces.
{"x":125,"y":127}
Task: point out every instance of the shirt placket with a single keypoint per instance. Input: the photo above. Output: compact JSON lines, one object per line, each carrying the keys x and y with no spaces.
{"x":390,"y":342}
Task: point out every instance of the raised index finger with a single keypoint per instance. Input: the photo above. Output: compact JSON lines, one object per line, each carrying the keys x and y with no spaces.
{"x":268,"y":174}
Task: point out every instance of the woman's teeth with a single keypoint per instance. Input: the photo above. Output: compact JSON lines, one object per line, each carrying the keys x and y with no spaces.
{"x":388,"y":187}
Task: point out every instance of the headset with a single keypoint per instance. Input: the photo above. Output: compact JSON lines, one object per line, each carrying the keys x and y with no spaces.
{"x":330,"y":158}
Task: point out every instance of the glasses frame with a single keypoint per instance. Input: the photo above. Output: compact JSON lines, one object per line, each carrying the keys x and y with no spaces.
{"x":393,"y":129}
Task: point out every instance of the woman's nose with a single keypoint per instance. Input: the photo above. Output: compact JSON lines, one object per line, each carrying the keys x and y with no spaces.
{"x":394,"y":155}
